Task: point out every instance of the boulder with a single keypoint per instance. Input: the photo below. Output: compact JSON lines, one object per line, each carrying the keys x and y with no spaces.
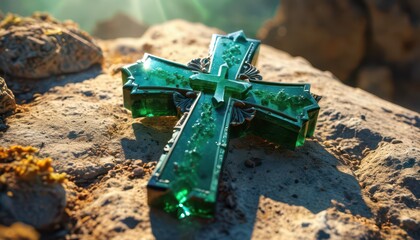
{"x":40,"y":46}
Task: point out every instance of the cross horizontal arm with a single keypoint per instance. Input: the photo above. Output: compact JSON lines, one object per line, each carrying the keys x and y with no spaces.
{"x":285,"y":113}
{"x":150,"y":83}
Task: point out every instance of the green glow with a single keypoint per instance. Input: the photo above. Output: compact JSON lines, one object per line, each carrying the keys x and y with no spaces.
{"x":247,"y":14}
{"x":181,"y":195}
{"x":161,"y":11}
{"x":202,"y":10}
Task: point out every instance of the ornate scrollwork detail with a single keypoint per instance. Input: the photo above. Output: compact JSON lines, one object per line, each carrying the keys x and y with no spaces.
{"x":241,"y":113}
{"x":317,"y":97}
{"x":183,"y":103}
{"x":200,"y":64}
{"x":249,"y":72}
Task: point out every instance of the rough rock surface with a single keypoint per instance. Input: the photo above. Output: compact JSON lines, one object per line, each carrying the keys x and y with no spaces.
{"x":7,"y":99}
{"x":40,"y":46}
{"x":357,"y":178}
{"x":350,"y":38}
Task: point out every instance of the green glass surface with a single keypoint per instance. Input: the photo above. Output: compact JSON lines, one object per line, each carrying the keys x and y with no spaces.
{"x":213,"y":104}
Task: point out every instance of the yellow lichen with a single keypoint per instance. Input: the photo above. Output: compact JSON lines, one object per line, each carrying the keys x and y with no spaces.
{"x":15,"y":153}
{"x":16,"y":20}
{"x":52,"y":31}
{"x":25,"y":164}
{"x":9,"y":20}
{"x":18,"y":231}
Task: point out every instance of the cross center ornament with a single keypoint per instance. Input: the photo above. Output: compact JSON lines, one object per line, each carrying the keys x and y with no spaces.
{"x":215,"y":98}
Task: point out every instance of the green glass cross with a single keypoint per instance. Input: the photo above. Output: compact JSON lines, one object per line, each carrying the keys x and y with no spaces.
{"x":216,"y":98}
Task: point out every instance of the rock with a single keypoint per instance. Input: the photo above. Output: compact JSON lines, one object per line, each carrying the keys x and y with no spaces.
{"x":352,"y":180}
{"x":320,"y":31}
{"x":30,"y":191}
{"x":253,"y":162}
{"x":37,"y":205}
{"x":120,"y":25}
{"x":230,"y":201}
{"x":40,"y":46}
{"x":138,"y":172}
{"x":349,"y":37}
{"x":7,"y":99}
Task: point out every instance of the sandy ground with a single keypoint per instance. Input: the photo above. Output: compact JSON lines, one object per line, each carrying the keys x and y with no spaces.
{"x":357,"y":178}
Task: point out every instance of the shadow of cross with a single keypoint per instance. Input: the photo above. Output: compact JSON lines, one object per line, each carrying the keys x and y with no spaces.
{"x":216,"y":98}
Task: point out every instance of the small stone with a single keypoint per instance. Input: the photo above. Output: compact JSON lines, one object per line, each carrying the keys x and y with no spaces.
{"x":253,"y":162}
{"x":305,"y":224}
{"x":150,"y":165}
{"x":138,"y":162}
{"x":230,"y":202}
{"x":138,"y":172}
{"x":127,"y":187}
{"x":396,"y":141}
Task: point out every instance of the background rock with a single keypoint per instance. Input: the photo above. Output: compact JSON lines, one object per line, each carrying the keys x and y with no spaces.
{"x":40,"y":46}
{"x":120,"y":25}
{"x":346,"y":37}
{"x":330,"y":34}
{"x":377,"y":80}
{"x":356,"y":178}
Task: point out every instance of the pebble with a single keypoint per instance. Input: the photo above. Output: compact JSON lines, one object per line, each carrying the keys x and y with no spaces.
{"x":138,"y":172}
{"x":411,"y":224}
{"x":396,"y":141}
{"x":230,"y":202}
{"x":253,"y":162}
